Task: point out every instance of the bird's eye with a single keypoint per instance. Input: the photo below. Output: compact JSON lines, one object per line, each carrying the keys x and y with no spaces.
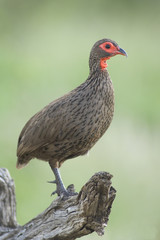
{"x":108,"y":46}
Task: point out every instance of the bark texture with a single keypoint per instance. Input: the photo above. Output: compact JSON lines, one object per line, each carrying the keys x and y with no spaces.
{"x":64,"y":219}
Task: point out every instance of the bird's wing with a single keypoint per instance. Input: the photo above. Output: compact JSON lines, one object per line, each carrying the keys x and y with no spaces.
{"x":45,"y":127}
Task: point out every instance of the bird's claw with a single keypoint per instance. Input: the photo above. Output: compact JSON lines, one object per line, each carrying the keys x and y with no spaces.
{"x":53,"y":193}
{"x":54,"y":181}
{"x":64,"y":194}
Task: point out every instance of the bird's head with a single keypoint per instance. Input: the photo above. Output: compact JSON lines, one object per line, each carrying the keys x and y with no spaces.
{"x":102,"y":51}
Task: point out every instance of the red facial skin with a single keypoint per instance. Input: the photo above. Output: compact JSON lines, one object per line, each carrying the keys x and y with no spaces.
{"x":103,"y":62}
{"x":113,"y":50}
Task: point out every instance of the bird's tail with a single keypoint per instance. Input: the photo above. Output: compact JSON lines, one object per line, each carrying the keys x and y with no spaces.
{"x":21,"y":163}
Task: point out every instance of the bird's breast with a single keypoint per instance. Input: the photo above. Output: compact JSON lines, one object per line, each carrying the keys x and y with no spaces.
{"x":94,"y":113}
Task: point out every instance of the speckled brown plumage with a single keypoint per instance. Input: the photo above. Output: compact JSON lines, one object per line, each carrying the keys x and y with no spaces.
{"x":71,"y":125}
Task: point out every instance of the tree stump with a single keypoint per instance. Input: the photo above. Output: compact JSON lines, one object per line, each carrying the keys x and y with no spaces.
{"x":64,"y":219}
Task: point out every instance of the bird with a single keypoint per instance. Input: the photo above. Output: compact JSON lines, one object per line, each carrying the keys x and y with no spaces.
{"x":70,"y":126}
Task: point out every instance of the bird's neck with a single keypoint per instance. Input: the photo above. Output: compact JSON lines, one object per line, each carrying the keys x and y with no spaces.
{"x":99,"y":80}
{"x":94,"y":63}
{"x":97,"y":73}
{"x":98,"y":76}
{"x":97,"y":65}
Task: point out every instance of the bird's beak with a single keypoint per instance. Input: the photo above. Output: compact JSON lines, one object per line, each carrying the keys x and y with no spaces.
{"x":122,"y":52}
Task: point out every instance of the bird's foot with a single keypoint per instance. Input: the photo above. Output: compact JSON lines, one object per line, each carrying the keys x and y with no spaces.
{"x":62,"y":191}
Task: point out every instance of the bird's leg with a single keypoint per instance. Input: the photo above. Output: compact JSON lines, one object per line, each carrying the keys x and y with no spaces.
{"x":61,"y":190}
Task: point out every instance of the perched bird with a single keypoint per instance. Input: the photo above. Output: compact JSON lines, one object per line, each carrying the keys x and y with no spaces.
{"x":70,"y":126}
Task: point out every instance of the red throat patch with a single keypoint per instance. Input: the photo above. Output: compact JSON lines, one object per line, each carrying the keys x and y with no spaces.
{"x":103,"y":62}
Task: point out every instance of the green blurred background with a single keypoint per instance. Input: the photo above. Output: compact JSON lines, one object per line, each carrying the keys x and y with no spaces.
{"x":44,"y":50}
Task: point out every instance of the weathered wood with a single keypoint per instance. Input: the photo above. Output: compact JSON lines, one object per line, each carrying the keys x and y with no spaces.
{"x":7,"y":200}
{"x":64,"y":219}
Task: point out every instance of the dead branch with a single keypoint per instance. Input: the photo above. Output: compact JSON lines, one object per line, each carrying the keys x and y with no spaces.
{"x":64,"y":219}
